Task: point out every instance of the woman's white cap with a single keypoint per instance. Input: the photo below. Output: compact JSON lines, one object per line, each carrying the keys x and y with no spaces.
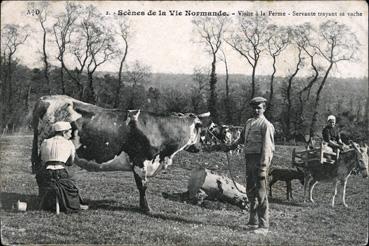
{"x":62,"y":126}
{"x":331,"y":117}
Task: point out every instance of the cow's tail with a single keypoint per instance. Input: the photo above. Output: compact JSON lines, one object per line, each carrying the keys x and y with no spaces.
{"x":38,"y":112}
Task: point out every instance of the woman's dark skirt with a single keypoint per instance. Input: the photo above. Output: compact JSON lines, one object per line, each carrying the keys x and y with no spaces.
{"x":54,"y":183}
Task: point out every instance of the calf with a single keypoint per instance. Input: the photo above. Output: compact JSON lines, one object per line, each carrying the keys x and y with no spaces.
{"x":287,"y":175}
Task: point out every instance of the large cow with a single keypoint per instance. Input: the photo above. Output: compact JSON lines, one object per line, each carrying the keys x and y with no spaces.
{"x":111,"y":139}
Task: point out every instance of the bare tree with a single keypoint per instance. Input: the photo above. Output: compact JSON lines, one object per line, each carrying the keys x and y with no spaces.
{"x":42,"y":17}
{"x":227,"y":97}
{"x":248,"y":40}
{"x":92,"y":47}
{"x":277,"y":40}
{"x":138,"y":75}
{"x":12,"y":36}
{"x":288,"y":93}
{"x":63,"y":29}
{"x":303,"y":38}
{"x":200,"y":89}
{"x":211,"y":32}
{"x":124,"y":34}
{"x":367,"y":113}
{"x":337,"y":43}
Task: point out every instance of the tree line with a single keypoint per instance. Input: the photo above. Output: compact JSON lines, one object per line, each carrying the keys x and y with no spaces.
{"x":85,"y":40}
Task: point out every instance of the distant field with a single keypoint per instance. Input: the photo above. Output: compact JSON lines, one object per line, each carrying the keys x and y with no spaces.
{"x":114,"y":217}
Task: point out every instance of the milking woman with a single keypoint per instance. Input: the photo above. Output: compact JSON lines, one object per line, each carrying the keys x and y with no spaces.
{"x":53,"y":178}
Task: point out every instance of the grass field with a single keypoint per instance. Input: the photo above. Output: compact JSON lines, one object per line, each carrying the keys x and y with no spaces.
{"x":114,"y":218}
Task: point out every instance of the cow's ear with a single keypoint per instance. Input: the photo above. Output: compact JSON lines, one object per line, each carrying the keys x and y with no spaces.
{"x":355,"y":146}
{"x":133,"y":115}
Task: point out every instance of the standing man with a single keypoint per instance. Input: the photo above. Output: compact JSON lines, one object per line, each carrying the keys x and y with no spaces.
{"x":259,"y":148}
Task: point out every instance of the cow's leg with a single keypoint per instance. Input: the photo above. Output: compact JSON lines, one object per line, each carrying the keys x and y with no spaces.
{"x":270,"y":186}
{"x":289,"y":190}
{"x":344,"y":183}
{"x":311,"y":188}
{"x":142,"y":190}
{"x":335,"y":184}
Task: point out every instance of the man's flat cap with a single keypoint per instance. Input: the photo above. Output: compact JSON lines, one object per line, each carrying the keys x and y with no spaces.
{"x":258,"y":100}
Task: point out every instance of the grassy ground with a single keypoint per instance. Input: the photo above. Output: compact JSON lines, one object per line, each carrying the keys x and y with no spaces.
{"x":114,"y":217}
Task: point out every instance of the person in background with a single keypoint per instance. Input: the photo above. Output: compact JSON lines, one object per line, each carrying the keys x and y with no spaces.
{"x":259,"y":148}
{"x":53,"y":178}
{"x":331,"y":135}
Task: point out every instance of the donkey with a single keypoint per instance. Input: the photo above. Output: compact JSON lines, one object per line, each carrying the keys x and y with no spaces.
{"x":354,"y":158}
{"x":287,"y":175}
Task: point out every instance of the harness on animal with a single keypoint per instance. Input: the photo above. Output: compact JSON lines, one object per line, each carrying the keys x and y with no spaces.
{"x":357,"y":169}
{"x":228,"y":163}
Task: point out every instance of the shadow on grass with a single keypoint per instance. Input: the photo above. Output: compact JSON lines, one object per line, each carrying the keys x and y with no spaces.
{"x":211,"y":204}
{"x":286,"y":202}
{"x":109,"y":205}
{"x":9,"y":199}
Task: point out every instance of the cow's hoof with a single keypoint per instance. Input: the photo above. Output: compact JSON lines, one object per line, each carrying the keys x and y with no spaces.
{"x":146,"y":210}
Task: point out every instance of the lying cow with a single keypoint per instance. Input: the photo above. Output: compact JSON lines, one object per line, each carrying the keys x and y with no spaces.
{"x":205,"y":184}
{"x":107,"y":137}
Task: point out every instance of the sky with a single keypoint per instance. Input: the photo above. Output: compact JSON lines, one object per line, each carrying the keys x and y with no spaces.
{"x":166,"y":43}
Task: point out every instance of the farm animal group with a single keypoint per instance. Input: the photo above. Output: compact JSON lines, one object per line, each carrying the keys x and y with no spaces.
{"x":101,"y":136}
{"x":351,"y":161}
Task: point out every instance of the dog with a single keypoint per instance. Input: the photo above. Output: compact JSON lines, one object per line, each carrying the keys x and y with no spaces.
{"x":287,"y":175}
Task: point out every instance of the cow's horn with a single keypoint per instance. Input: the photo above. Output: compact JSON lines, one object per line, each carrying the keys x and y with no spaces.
{"x":353,"y":144}
{"x":207,"y":114}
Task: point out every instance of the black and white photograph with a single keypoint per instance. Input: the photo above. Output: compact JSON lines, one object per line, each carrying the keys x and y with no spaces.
{"x":184,"y":123}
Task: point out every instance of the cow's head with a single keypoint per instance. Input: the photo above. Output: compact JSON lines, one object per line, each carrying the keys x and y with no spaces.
{"x":200,"y":122}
